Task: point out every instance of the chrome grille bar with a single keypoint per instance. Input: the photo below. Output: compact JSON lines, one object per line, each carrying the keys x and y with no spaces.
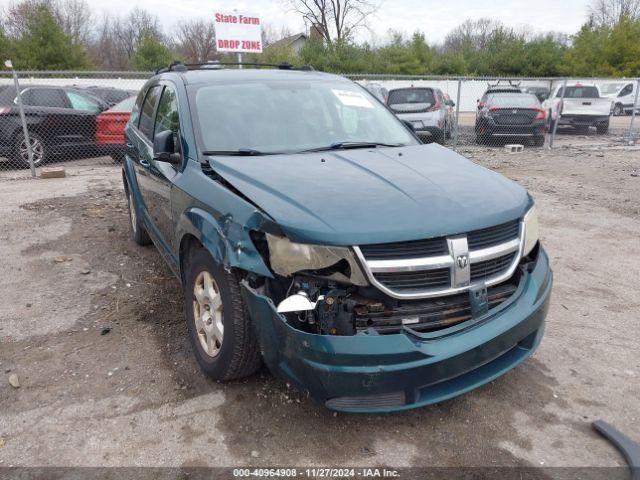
{"x":459,"y":261}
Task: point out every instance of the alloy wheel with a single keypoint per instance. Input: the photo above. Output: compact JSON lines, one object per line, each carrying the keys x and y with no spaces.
{"x":132,"y":213}
{"x":37,"y":149}
{"x":207,"y":313}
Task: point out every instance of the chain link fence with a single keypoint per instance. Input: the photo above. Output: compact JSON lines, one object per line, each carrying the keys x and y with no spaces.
{"x":64,"y":118}
{"x":78,"y":118}
{"x":493,"y":112}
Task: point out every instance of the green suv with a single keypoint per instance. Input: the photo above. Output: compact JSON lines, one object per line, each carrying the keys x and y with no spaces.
{"x":312,"y":231}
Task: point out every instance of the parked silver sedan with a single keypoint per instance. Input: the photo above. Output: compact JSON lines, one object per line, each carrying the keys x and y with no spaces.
{"x":425,"y":109}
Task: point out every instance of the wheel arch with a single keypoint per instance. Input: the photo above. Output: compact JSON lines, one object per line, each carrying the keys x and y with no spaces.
{"x":228,"y":243}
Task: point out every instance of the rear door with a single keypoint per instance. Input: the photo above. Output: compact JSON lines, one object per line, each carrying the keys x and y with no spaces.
{"x":81,"y":118}
{"x":141,"y":142}
{"x":159,"y":112}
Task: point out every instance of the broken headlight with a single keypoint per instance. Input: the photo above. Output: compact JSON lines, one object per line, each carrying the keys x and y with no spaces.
{"x":530,"y":231}
{"x":335,"y":263}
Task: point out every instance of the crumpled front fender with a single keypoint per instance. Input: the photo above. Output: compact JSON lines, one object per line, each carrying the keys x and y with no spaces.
{"x":227,"y":241}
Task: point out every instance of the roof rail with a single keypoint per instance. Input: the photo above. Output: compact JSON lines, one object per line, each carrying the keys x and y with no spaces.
{"x":184,"y":67}
{"x":511,"y":83}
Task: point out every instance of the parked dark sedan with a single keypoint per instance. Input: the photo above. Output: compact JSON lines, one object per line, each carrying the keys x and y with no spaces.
{"x":511,"y":115}
{"x":60,"y":120}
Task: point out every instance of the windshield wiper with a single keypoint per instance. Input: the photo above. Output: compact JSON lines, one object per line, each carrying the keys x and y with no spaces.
{"x":241,"y":152}
{"x":349,"y":145}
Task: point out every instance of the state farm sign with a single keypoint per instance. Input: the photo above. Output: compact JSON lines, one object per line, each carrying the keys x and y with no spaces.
{"x":238,"y":32}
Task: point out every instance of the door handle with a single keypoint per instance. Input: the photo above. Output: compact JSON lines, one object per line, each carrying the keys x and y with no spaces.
{"x":129,"y":145}
{"x":144,"y":163}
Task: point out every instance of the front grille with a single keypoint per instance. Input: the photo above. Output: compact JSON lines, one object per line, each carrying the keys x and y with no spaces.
{"x":488,"y":237}
{"x":427,"y":315}
{"x":415,"y":281}
{"x":482,"y":270}
{"x":435,"y":267}
{"x":414,"y":249}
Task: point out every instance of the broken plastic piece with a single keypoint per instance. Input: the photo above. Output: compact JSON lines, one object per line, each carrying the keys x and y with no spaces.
{"x":630,"y":450}
{"x":298,"y":302}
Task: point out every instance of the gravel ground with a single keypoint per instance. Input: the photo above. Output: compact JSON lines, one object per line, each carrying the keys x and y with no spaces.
{"x":92,"y":326}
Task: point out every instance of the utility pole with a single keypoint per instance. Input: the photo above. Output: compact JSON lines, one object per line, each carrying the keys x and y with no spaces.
{"x":23,"y":119}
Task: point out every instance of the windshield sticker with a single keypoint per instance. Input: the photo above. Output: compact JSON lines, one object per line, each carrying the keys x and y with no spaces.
{"x":352,"y":99}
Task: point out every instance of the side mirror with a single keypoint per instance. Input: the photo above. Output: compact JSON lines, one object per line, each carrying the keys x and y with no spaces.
{"x":451,"y":103}
{"x":164,"y":149}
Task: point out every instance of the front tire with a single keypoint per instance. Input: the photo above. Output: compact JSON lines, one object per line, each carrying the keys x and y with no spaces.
{"x":220,"y":330}
{"x":618,"y":110}
{"x":39,"y":149}
{"x":538,"y":141}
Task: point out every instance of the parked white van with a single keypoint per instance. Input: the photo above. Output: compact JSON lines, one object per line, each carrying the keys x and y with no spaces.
{"x":622,"y":94}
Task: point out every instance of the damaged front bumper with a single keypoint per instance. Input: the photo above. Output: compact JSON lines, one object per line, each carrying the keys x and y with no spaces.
{"x":370,"y":372}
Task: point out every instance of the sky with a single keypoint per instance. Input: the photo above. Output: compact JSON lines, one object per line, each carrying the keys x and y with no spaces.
{"x":434,"y":18}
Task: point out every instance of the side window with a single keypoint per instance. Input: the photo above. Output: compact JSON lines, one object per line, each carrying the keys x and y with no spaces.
{"x":626,"y":90}
{"x":148,"y":107}
{"x":44,"y":97}
{"x":81,"y":102}
{"x":135,"y":112}
{"x":167,"y":118}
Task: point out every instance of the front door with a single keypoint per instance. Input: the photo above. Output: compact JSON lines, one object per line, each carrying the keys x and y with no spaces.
{"x":157,"y":191}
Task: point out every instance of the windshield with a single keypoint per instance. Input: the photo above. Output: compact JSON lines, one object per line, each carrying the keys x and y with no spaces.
{"x":611,"y":88}
{"x":411,"y":95}
{"x":513,"y":101}
{"x":276,"y":116}
{"x":579,"y":92}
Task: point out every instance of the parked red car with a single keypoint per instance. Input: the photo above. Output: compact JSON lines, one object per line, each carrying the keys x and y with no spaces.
{"x":110,"y":128}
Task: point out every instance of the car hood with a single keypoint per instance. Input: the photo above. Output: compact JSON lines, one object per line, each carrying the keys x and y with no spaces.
{"x":375,"y":195}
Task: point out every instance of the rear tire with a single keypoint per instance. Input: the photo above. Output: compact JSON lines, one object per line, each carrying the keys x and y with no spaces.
{"x":222,"y":335}
{"x":447,"y":134}
{"x":481,"y":139}
{"x":602,"y":129}
{"x":439,"y":137}
{"x":551,"y":121}
{"x":138,"y":232}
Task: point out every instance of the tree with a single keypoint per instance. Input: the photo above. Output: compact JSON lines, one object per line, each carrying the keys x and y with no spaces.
{"x":5,"y":45}
{"x":105,"y":50}
{"x":151,"y":54}
{"x":471,"y":35}
{"x":607,"y":13}
{"x":196,"y":40}
{"x":621,"y":50}
{"x":135,"y":27}
{"x":543,"y":56}
{"x":75,"y":19}
{"x":334,"y":20}
{"x":44,"y":46}
{"x":585,"y":57}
